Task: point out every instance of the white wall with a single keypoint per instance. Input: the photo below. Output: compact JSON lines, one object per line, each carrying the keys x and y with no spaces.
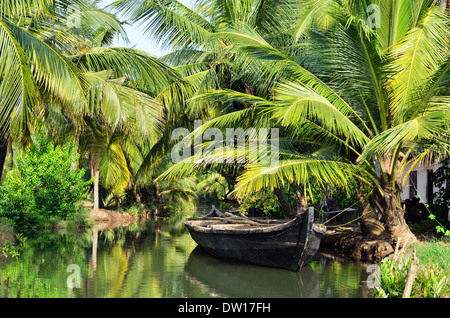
{"x":421,"y":183}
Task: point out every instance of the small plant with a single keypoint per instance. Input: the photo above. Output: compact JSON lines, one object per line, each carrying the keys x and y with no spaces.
{"x":439,"y":228}
{"x":9,"y":249}
{"x":432,"y":282}
{"x":392,"y":278}
{"x":265,"y":202}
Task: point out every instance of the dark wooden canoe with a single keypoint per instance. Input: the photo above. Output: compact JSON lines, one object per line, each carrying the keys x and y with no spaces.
{"x":288,"y":244}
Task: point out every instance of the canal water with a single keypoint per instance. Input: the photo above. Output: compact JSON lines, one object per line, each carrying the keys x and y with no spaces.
{"x":158,"y":259}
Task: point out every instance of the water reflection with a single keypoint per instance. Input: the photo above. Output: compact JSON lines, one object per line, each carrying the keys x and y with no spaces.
{"x":159,"y":259}
{"x":229,"y":279}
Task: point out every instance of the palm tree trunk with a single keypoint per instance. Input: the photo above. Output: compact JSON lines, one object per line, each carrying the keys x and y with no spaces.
{"x":95,"y":173}
{"x":302,"y":206}
{"x":444,"y":5}
{"x":96,"y":180}
{"x":3,"y":152}
{"x":287,"y":207}
{"x":394,"y":215}
{"x":370,"y":226}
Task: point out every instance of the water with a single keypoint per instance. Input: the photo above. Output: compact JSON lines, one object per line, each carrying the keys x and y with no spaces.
{"x":159,"y":259}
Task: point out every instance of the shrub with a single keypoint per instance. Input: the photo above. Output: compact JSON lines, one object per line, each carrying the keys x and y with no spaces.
{"x":393,"y":278}
{"x":430,"y":282}
{"x":44,"y":187}
{"x":265,"y":202}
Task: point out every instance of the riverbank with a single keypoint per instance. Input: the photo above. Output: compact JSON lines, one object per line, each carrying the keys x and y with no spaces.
{"x":7,"y":239}
{"x":349,"y":243}
{"x":106,"y":219}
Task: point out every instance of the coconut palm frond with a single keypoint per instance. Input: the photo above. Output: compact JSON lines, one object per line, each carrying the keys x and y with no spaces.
{"x":302,"y":170}
{"x":421,"y":52}
{"x":53,"y":72}
{"x":18,"y":89}
{"x":295,"y":103}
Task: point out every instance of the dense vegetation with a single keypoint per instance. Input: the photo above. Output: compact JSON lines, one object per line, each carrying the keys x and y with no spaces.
{"x":358,"y":90}
{"x":46,"y":187}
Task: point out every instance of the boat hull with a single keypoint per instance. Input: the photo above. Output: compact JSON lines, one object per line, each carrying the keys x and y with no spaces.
{"x":289,"y":245}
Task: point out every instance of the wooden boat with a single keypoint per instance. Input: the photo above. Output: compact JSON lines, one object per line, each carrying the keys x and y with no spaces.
{"x":276,"y":243}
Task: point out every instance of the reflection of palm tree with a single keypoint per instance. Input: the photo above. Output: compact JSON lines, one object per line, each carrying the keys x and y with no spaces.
{"x":93,"y":260}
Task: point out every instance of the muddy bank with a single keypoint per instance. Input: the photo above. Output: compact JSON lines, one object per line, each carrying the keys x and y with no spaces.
{"x":106,"y":219}
{"x":348,"y":242}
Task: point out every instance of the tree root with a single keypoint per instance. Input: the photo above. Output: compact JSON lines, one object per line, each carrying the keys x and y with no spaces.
{"x":350,"y":242}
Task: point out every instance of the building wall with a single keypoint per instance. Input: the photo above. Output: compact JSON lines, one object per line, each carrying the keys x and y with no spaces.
{"x":422,"y":183}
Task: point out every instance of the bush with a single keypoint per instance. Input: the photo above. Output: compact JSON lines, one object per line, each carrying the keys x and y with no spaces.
{"x":265,"y":202}
{"x":393,"y":278}
{"x":44,"y":187}
{"x":430,"y":282}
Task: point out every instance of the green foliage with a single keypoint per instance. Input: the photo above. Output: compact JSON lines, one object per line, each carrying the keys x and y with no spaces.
{"x":392,"y":278}
{"x":9,"y":249}
{"x":431,"y":281}
{"x":439,"y":228}
{"x":45,"y":186}
{"x":434,"y":252}
{"x":264,"y":201}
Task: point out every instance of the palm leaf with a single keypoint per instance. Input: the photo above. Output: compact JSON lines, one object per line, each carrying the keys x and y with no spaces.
{"x":427,"y":126}
{"x":56,"y":76}
{"x":141,"y":70}
{"x":313,"y":12}
{"x":296,"y":103}
{"x":421,"y":52}
{"x":18,"y":90}
{"x":170,"y":21}
{"x":114,"y":171}
{"x":301,"y":170}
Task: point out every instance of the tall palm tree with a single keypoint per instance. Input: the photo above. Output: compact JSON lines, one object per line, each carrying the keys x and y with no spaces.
{"x":100,"y":96}
{"x":34,"y":68}
{"x":123,"y":116}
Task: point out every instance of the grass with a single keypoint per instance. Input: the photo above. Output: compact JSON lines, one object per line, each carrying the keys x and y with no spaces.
{"x":435,"y":252}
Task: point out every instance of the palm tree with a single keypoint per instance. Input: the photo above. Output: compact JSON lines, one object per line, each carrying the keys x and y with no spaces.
{"x":34,"y":68}
{"x":123,"y":116}
{"x":201,"y":56}
{"x":378,"y":97}
{"x":371,"y":103}
{"x":100,"y":96}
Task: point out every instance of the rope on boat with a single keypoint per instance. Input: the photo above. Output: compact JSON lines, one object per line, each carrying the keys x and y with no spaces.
{"x":346,"y":209}
{"x":344,"y":223}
